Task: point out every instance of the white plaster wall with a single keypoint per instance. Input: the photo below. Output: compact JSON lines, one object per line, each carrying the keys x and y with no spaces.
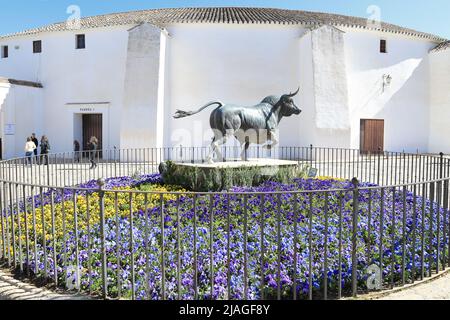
{"x":439,"y":136}
{"x":308,"y":103}
{"x":139,"y":119}
{"x":4,"y":92}
{"x":405,"y":104}
{"x":242,"y":64}
{"x":93,"y":75}
{"x":234,"y":64}
{"x":332,"y":116}
{"x":239,"y":64}
{"x":22,"y":107}
{"x":78,"y":128}
{"x":330,"y":79}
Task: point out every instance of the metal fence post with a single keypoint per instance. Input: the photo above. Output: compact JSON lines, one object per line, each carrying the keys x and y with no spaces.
{"x":379,"y":166}
{"x":48,"y":173}
{"x":3,"y":227}
{"x":247,"y":143}
{"x":101,"y":193}
{"x":13,"y":233}
{"x":115,"y":161}
{"x":355,"y":183}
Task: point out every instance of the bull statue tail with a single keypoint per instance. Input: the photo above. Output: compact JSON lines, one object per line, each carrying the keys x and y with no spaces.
{"x":183,"y":114}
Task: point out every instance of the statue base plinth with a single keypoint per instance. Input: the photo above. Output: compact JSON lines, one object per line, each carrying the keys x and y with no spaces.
{"x":222,"y":176}
{"x":242,"y":164}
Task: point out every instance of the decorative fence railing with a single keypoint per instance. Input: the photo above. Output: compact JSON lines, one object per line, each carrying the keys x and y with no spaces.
{"x":381,"y":221}
{"x":73,"y":168}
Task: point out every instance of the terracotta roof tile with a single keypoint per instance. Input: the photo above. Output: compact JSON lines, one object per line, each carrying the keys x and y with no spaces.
{"x":162,"y":17}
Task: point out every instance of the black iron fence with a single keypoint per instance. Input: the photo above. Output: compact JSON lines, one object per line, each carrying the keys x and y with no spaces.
{"x":369,"y":222}
{"x":73,"y":168}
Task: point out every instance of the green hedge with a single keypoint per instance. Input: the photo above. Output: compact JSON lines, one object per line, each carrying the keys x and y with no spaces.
{"x":203,"y":179}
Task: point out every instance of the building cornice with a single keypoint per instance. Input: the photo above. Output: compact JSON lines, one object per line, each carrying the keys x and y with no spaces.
{"x":23,"y":83}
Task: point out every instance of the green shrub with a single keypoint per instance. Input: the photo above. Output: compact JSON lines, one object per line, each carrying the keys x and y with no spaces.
{"x":203,"y":179}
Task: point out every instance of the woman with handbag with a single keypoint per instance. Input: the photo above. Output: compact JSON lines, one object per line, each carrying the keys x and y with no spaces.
{"x":29,"y":150}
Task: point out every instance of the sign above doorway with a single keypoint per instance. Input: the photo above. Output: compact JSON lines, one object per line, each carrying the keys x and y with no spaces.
{"x":88,"y":107}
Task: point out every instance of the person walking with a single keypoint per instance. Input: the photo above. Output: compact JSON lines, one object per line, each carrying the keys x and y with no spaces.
{"x":45,"y":150}
{"x":36,"y":143}
{"x":93,"y":147}
{"x":30,"y":148}
{"x":77,"y":149}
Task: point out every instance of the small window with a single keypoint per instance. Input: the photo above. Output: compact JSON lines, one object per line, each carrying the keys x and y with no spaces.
{"x":81,"y":41}
{"x":37,"y":46}
{"x":5,"y":52}
{"x":383,"y":46}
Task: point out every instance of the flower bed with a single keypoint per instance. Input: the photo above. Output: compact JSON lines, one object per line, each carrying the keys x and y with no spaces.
{"x":143,"y":233}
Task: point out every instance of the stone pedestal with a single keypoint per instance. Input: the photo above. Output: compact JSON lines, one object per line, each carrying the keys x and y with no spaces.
{"x":222,"y":176}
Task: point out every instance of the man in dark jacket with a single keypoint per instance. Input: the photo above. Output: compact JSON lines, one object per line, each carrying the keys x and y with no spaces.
{"x":77,"y":149}
{"x":45,"y":149}
{"x":36,"y":143}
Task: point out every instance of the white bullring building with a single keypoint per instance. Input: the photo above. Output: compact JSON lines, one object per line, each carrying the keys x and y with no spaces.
{"x":123,"y":76}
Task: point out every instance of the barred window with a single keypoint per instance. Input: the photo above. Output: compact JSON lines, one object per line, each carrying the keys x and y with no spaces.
{"x":5,"y":52}
{"x":383,"y":46}
{"x":81,"y":41}
{"x":37,"y":46}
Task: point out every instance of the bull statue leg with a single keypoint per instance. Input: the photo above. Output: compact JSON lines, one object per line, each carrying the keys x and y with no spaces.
{"x":215,"y":149}
{"x":274,"y":141}
{"x":245,"y":146}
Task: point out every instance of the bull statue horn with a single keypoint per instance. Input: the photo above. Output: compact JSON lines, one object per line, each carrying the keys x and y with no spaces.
{"x":294,"y":94}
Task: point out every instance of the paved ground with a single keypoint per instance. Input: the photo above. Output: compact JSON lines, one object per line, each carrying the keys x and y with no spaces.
{"x":435,"y":288}
{"x":12,"y":289}
{"x":70,"y":174}
{"x":67,"y":173}
{"x":438,"y":289}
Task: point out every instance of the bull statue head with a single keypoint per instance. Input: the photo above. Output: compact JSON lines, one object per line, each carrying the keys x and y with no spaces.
{"x":288,"y":106}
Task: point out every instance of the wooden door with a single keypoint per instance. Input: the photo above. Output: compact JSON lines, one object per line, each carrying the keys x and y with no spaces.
{"x":92,"y":127}
{"x":372,"y":136}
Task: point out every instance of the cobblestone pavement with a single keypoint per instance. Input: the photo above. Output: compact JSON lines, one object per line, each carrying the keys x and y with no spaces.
{"x":12,"y":289}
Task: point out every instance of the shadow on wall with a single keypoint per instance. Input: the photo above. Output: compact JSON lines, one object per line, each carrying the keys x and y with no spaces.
{"x":370,"y":58}
{"x":406,"y":113}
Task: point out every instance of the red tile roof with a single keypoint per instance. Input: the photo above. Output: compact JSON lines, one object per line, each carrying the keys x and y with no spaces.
{"x":235,"y":15}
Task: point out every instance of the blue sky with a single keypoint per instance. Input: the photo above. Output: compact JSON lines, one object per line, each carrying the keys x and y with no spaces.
{"x":428,"y":16}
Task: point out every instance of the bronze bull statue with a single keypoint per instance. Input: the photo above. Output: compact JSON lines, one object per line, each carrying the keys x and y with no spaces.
{"x":248,"y":124}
